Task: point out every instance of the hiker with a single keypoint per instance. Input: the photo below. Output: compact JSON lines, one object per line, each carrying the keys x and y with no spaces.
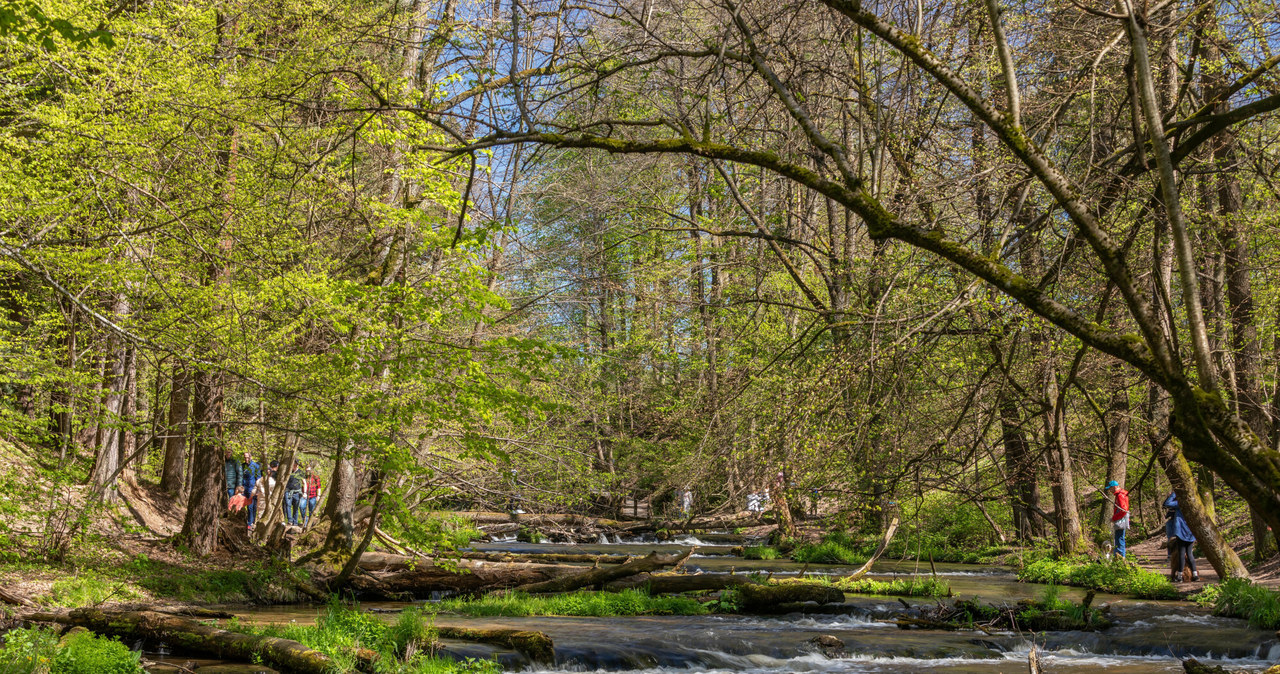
{"x":232,"y":471}
{"x":293,"y":495}
{"x":313,"y":494}
{"x":252,"y":471}
{"x":1180,"y":540}
{"x":1120,"y":516}
{"x":238,"y":501}
{"x":264,"y":487}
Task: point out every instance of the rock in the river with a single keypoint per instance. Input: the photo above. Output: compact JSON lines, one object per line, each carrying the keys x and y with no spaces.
{"x":829,"y":645}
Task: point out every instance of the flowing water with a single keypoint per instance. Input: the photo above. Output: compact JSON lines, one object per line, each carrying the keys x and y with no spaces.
{"x":1148,"y":636}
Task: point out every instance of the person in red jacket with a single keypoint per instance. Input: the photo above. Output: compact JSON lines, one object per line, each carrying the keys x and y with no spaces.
{"x":1120,"y":515}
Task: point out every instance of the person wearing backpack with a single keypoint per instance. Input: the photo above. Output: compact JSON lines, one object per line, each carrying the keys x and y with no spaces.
{"x":293,"y":495}
{"x":1120,"y":515}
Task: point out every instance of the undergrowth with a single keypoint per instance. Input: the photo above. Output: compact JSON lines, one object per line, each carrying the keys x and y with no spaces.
{"x":39,"y":651}
{"x":834,"y":548}
{"x":763,"y":552}
{"x":597,"y":604}
{"x":898,"y":587}
{"x":1116,"y":577}
{"x":1240,"y":598}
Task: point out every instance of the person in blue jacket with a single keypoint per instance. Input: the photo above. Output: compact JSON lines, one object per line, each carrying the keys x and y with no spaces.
{"x":1180,"y":540}
{"x":233,"y":472}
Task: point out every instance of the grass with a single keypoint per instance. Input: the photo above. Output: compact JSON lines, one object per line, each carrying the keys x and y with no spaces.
{"x":406,"y":646}
{"x":898,"y":587}
{"x":597,"y":604}
{"x":1116,"y":577}
{"x":1240,"y":598}
{"x":761,"y":552}
{"x":833,"y":549}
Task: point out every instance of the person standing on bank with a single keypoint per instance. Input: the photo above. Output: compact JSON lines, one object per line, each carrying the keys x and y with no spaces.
{"x":252,"y":471}
{"x":1180,"y":541}
{"x":233,"y":472}
{"x":293,"y":494}
{"x":313,"y":495}
{"x":1120,"y":515}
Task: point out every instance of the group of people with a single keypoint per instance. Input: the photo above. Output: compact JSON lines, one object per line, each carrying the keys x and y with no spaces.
{"x":250,"y":484}
{"x":1179,"y":539}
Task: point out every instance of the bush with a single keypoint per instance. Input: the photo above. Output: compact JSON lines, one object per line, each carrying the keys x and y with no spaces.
{"x":835,"y":548}
{"x":898,"y":587}
{"x":86,"y":653}
{"x":28,"y":651}
{"x":1117,"y":577}
{"x":1240,"y":598}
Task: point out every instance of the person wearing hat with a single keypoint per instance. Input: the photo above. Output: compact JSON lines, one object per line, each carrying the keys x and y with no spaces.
{"x":1120,"y":515}
{"x":1180,"y":540}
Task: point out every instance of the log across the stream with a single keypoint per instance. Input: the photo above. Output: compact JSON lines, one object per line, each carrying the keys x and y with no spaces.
{"x":600,"y":576}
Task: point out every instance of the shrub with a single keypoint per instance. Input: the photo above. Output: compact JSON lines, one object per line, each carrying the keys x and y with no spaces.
{"x":833,"y":549}
{"x":86,"y":653}
{"x":28,"y":651}
{"x":898,"y":587}
{"x":1240,"y":598}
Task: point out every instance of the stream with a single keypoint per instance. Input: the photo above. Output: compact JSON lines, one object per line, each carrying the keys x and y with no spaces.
{"x":1148,"y":636}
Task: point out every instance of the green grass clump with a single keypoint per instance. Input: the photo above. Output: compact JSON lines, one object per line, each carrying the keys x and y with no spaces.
{"x":1240,"y":598}
{"x":403,"y":647}
{"x":761,"y":552}
{"x":833,"y":549}
{"x":88,"y":588}
{"x":38,"y":651}
{"x":898,"y":587}
{"x":624,"y":603}
{"x":1117,"y":577}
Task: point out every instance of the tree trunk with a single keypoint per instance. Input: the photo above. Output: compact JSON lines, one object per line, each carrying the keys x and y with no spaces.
{"x":199,"y":527}
{"x":175,"y":441}
{"x":1117,"y":438}
{"x":109,"y":428}
{"x":340,"y":507}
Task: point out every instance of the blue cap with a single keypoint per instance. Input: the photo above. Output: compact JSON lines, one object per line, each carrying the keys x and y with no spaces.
{"x":1111,"y":483}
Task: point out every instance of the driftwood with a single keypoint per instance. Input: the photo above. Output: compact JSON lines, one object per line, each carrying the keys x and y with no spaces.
{"x":601,"y":576}
{"x":536,"y":646}
{"x":189,"y":636}
{"x":884,"y":543}
{"x":1033,"y":661}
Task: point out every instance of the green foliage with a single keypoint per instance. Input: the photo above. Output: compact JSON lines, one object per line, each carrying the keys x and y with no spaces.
{"x":898,"y":587}
{"x":624,"y":603}
{"x":88,"y":588}
{"x":834,"y":548}
{"x":87,"y":653}
{"x":28,"y":651}
{"x":763,"y":552}
{"x":1241,"y":598}
{"x":1117,"y":576}
{"x":729,"y":601}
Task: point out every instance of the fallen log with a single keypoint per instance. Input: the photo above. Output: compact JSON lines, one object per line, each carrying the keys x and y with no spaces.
{"x":764,"y":598}
{"x":398,"y":576}
{"x":189,"y":636}
{"x":10,"y":598}
{"x":675,"y":583}
{"x":536,"y":646}
{"x":603,"y":575}
{"x":544,"y":557}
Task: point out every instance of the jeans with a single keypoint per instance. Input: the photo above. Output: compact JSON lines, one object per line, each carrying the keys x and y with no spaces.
{"x":231,"y":491}
{"x":1119,"y":542}
{"x":252,"y":509}
{"x":293,"y":506}
{"x":310,"y":508}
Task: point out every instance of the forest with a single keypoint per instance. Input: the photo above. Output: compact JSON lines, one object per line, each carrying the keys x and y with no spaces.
{"x":711,"y":310}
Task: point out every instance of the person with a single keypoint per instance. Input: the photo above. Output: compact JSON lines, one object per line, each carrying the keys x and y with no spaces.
{"x":265,"y":486}
{"x":1180,"y":541}
{"x":252,"y":471}
{"x":1120,"y":515}
{"x":232,"y":471}
{"x":313,"y":494}
{"x":238,"y":501}
{"x":293,"y":495}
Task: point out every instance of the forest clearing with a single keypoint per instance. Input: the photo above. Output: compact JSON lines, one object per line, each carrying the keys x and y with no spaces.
{"x":639,"y":337}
